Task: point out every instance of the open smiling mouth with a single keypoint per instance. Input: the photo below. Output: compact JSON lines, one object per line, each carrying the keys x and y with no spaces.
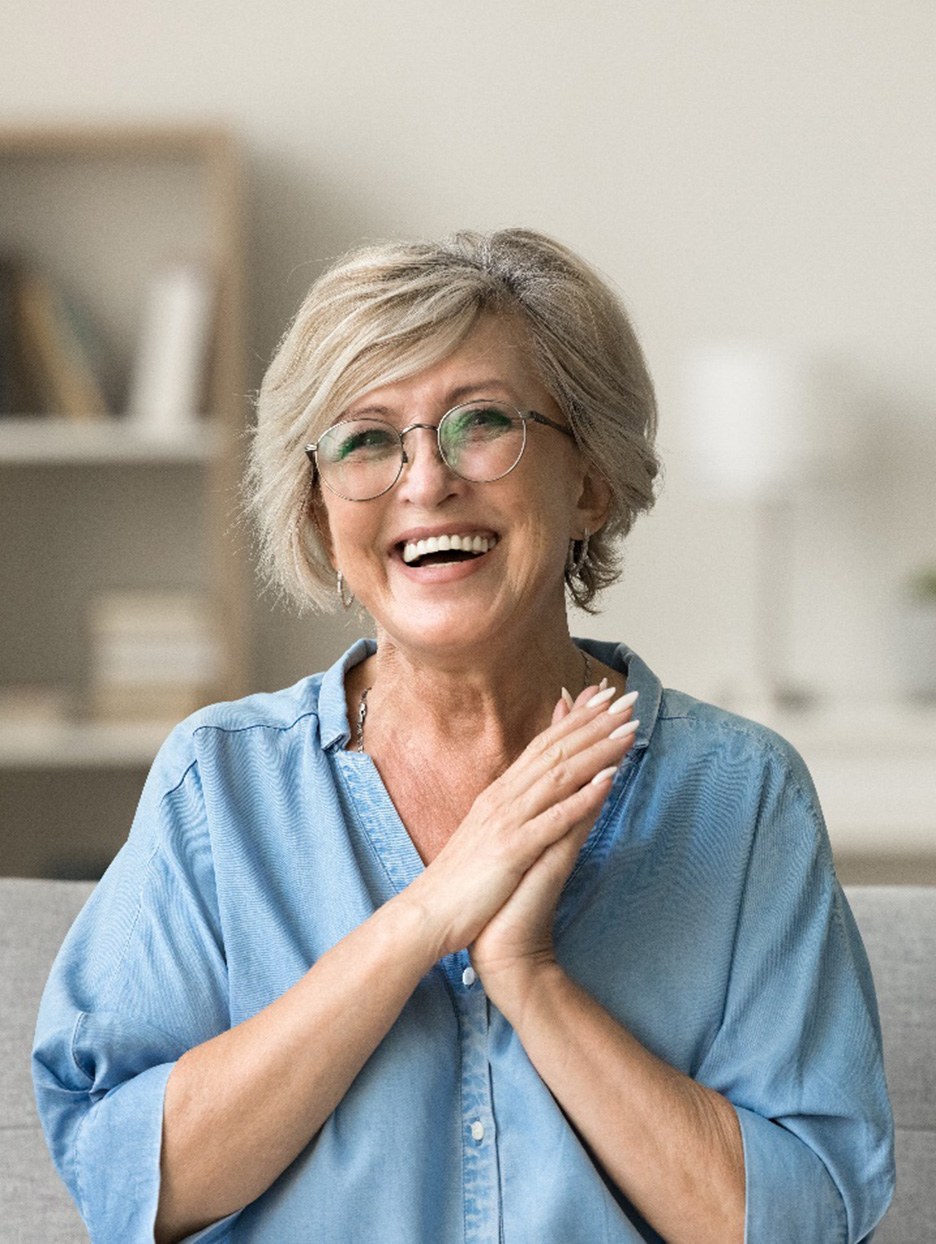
{"x":437,"y":550}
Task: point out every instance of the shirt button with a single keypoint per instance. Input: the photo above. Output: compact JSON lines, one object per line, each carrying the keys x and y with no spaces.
{"x":477,"y":1131}
{"x":469,"y":976}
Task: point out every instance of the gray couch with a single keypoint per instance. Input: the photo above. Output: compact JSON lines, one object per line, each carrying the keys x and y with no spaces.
{"x":899,"y":927}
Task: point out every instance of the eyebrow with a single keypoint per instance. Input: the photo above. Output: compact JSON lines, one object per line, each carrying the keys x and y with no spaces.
{"x":476,"y":388}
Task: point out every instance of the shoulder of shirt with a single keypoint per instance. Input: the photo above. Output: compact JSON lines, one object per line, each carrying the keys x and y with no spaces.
{"x":679,"y":729}
{"x":261,"y":712}
{"x":274,"y":710}
{"x":705,"y":725}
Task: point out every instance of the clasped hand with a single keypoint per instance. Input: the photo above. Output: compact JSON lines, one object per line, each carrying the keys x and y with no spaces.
{"x":495,"y":885}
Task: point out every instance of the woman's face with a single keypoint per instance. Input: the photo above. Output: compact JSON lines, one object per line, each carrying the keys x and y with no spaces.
{"x":451,"y":604}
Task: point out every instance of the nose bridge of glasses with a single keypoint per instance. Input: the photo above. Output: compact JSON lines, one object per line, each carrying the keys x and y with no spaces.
{"x":429,"y":427}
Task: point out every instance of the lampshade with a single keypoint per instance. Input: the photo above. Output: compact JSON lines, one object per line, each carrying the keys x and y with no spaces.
{"x":751,"y":419}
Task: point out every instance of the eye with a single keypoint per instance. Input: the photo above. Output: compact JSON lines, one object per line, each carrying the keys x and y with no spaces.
{"x":479,"y":423}
{"x":359,"y":442}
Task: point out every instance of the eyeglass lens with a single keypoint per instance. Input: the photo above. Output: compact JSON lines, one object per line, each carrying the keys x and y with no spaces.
{"x":361,"y":458}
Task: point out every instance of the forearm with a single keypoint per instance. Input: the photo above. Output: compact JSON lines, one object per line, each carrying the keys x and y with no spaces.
{"x":239,"y":1108}
{"x":671,"y":1145}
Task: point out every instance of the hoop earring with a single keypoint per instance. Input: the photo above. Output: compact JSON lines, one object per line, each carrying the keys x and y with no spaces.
{"x":345,"y":601}
{"x":577,"y":559}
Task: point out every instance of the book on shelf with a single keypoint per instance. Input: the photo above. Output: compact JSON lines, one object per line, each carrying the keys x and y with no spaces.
{"x":170,"y":369}
{"x":53,"y":345}
{"x":18,"y":385}
{"x":10,"y":362}
{"x":155,"y":656}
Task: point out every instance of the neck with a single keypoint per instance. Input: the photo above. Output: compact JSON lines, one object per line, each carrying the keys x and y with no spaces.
{"x":497,"y":700}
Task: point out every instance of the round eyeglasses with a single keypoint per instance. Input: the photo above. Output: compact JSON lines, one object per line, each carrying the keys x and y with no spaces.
{"x":482,"y":441}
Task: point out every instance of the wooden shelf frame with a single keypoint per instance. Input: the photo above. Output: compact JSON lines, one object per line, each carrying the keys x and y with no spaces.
{"x":213,"y":150}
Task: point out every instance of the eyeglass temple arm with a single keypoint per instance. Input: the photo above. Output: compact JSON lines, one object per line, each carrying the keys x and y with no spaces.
{"x":550,"y":423}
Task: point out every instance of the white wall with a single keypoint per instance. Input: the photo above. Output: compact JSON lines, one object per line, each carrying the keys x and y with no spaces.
{"x":736,"y":169}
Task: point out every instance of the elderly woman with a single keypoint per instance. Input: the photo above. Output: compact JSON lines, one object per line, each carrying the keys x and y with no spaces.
{"x":447,"y":943}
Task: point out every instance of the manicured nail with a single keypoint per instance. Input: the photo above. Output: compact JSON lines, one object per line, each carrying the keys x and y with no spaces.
{"x":567,"y":699}
{"x":602,"y":697}
{"x":602,"y":684}
{"x":604,"y":776}
{"x":624,"y":702}
{"x":623,"y":731}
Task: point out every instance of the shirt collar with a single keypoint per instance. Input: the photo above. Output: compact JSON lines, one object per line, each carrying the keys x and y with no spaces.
{"x":334,"y":730}
{"x":640,"y":677}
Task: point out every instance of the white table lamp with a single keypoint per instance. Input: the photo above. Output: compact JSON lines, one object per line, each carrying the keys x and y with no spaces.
{"x":754,"y":432}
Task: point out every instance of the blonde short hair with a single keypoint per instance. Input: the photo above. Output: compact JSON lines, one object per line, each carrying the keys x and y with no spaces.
{"x":386,"y":312}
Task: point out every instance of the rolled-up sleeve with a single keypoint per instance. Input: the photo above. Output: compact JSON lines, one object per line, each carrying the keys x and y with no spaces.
{"x":140,"y":979}
{"x":798,"y":1050}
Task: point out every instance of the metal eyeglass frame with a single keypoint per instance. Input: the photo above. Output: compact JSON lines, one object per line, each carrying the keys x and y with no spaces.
{"x":525,"y":416}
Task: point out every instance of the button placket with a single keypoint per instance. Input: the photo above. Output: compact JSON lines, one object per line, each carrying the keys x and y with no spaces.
{"x":479,"y":1147}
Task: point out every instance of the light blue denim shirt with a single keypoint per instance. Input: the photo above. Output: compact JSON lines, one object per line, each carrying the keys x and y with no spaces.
{"x":703,"y":913}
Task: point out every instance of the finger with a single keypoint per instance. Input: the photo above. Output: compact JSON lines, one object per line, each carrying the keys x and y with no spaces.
{"x":558,"y":860}
{"x":562,"y":759}
{"x":563,"y":707}
{"x":558,"y":775}
{"x":570,"y":734}
{"x":560,"y":856}
{"x":542,"y":783}
{"x":586,"y":694}
{"x":504,"y":836}
{"x":556,"y":802}
{"x":532,"y":904}
{"x":587,"y":707}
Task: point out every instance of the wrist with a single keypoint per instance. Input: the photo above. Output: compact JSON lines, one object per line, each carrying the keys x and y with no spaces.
{"x":410,"y":929}
{"x":520,"y":990}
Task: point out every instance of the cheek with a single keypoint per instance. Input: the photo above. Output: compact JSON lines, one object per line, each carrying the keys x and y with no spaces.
{"x":543,"y":547}
{"x":352,"y":534}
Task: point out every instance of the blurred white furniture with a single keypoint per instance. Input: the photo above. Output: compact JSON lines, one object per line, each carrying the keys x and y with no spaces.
{"x":875,"y":770}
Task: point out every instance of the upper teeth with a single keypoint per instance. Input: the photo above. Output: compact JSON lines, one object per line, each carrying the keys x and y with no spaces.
{"x":414,"y":549}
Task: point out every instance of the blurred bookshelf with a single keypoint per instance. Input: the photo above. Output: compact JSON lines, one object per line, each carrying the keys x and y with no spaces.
{"x":63,"y":745}
{"x":122,"y":411}
{"x":26,"y":441}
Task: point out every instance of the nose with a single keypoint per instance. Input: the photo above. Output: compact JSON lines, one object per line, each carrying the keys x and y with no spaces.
{"x":426,"y":480}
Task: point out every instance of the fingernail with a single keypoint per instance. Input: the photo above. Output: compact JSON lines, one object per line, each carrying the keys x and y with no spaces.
{"x":567,"y":699}
{"x":623,"y":731}
{"x":624,"y":702}
{"x":604,"y":776}
{"x":602,"y":697}
{"x":602,"y":684}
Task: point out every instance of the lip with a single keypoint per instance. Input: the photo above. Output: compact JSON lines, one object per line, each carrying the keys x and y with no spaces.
{"x":443,"y":572}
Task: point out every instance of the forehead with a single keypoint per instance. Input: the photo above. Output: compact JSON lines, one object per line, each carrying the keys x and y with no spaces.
{"x":493,"y":360}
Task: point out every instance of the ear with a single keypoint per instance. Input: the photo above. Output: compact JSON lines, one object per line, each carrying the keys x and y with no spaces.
{"x":593,"y":503}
